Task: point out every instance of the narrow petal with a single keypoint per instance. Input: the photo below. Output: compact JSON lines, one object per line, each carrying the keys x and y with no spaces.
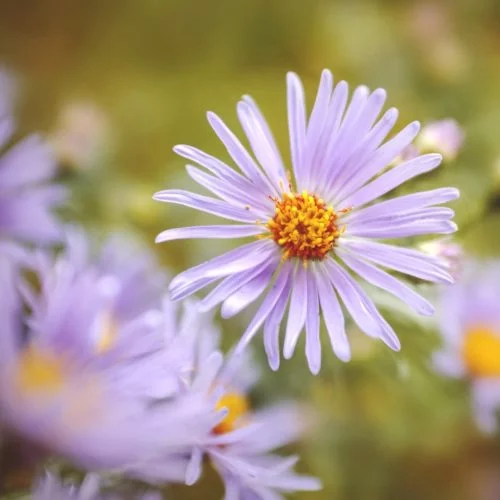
{"x":360,"y":154}
{"x":359,"y":118}
{"x":328,"y":138}
{"x":313,"y":344}
{"x":345,"y":137}
{"x":315,"y":127}
{"x":272,"y":331}
{"x":207,"y":373}
{"x":247,"y":293}
{"x":392,"y":179}
{"x":239,"y":154}
{"x":296,"y":123}
{"x":230,"y":285}
{"x":206,"y":204}
{"x":27,"y":162}
{"x":240,"y":259}
{"x":268,"y":304}
{"x":261,"y":140}
{"x":360,"y":306}
{"x":241,"y":231}
{"x":399,"y":259}
{"x":230,"y":193}
{"x":218,"y":168}
{"x":193,"y":471}
{"x":403,"y":230}
{"x":384,"y":219}
{"x":383,"y":280}
{"x":297,"y":312}
{"x":410,"y":202}
{"x":380,"y":159}
{"x":332,"y":315}
{"x":27,"y":215}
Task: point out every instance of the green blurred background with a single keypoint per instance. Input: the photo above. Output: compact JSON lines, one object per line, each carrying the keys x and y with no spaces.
{"x":387,"y":427}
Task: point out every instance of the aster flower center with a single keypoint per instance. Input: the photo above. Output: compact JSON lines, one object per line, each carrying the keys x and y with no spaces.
{"x":304,"y":226}
{"x":237,"y":407}
{"x":39,"y":372}
{"x":481,"y":352}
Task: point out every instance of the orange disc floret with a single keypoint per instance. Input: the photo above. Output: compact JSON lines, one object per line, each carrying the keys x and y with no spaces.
{"x":236,"y":405}
{"x":304,"y":226}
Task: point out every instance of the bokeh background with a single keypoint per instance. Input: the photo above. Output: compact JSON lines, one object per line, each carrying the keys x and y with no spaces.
{"x":132,"y":78}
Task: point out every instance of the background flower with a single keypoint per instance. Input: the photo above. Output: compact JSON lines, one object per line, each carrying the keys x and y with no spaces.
{"x":26,"y":196}
{"x":242,"y":445}
{"x":470,"y":327}
{"x":82,"y":385}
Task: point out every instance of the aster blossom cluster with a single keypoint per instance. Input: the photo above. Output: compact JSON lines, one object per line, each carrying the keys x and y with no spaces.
{"x":317,"y":227}
{"x":101,"y":372}
{"x":112,"y":372}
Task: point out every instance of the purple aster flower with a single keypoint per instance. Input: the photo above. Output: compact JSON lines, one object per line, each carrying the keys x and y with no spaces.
{"x":313,"y":230}
{"x":26,"y":195}
{"x":241,"y":445}
{"x":82,"y":385}
{"x":470,"y":328}
{"x":129,"y":267}
{"x":444,"y":136}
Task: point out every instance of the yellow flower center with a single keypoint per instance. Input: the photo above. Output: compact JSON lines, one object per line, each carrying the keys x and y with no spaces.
{"x":481,"y":352}
{"x":39,"y":373}
{"x":304,"y":226}
{"x":237,"y":406}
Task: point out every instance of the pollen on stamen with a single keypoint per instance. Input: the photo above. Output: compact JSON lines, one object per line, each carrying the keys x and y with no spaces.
{"x":304,"y":226}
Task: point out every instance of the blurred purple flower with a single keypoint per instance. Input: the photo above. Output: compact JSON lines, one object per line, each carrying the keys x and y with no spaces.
{"x":307,"y":228}
{"x":444,"y":136}
{"x":470,"y":328}
{"x":50,"y":487}
{"x":450,"y":252}
{"x":26,"y":197}
{"x":81,"y":380}
{"x":241,"y":446}
{"x":81,"y":135}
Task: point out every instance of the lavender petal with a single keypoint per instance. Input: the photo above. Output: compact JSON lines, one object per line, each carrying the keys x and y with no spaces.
{"x":297,"y":312}
{"x":235,"y":231}
{"x":383,"y":280}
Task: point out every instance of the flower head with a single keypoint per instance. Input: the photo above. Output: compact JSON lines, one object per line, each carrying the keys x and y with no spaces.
{"x":241,"y":444}
{"x":309,"y":229}
{"x":26,"y":197}
{"x":81,"y":379}
{"x":450,"y":252}
{"x":470,"y":328}
{"x":443,"y":136}
{"x":80,"y":137}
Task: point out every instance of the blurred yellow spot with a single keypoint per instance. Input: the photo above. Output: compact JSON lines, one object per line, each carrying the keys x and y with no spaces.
{"x":39,"y":372}
{"x":304,"y":226}
{"x":481,"y":352}
{"x":108,"y":334}
{"x":237,"y":407}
